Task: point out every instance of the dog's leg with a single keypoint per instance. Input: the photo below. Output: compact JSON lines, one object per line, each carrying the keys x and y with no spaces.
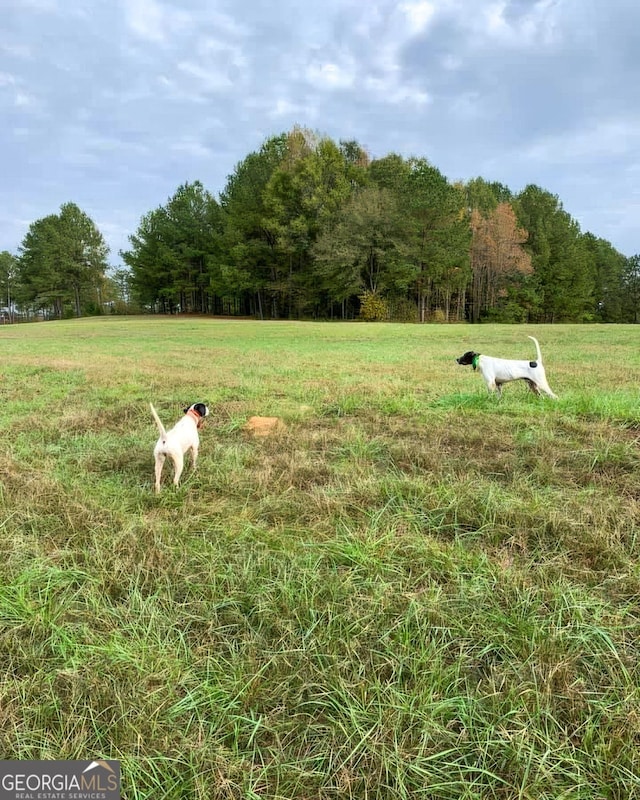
{"x":533,"y":386}
{"x":159,"y":464}
{"x":194,"y":457}
{"x":490,"y":379}
{"x":493,"y":386}
{"x":178,"y":466}
{"x":544,"y":387}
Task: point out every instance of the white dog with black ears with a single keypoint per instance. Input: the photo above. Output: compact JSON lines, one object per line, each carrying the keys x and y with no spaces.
{"x":176,"y":442}
{"x":498,"y":371}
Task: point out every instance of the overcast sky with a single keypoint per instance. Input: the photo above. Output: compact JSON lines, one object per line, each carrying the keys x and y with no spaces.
{"x":112,"y":104}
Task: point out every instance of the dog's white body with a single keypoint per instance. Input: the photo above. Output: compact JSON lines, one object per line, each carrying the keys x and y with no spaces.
{"x":176,"y":442}
{"x":497,"y":371}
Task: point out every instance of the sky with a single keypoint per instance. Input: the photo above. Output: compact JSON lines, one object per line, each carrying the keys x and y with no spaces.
{"x":113,"y":104}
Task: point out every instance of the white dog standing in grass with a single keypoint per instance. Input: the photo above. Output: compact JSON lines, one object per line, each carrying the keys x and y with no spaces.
{"x":176,"y":442}
{"x":497,"y":371}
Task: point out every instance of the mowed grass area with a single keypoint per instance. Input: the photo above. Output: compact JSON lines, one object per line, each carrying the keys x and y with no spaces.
{"x":414,"y":590}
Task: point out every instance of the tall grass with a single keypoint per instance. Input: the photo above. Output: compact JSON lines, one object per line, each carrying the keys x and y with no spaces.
{"x":413,"y":590}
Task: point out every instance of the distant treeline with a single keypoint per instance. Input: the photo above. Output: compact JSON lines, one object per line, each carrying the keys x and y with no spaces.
{"x":310,"y":228}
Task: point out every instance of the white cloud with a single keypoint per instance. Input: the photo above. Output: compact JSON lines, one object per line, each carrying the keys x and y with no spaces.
{"x":390,"y":90}
{"x":24,"y":100}
{"x":151,"y":21}
{"x":192,"y":147}
{"x":145,"y":18}
{"x":371,"y":18}
{"x":20,"y":98}
{"x":538,"y":26}
{"x":281,"y":104}
{"x":285,"y":108}
{"x":329,"y":75}
{"x":224,"y":53}
{"x":605,"y":139}
{"x":215,"y":66}
{"x":225,"y":26}
{"x":211,"y":79}
{"x":41,"y":5}
{"x":21,"y":51}
{"x":451,"y":62}
{"x":419,"y":14}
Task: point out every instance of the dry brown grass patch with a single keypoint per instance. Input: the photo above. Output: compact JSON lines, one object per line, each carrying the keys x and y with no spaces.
{"x":264,"y":426}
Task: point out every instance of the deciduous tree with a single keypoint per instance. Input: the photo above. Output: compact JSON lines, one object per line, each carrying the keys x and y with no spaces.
{"x":303,"y":195}
{"x":365,"y":249}
{"x":497,"y":257}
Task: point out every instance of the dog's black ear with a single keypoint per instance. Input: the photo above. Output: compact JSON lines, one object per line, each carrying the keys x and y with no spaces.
{"x":201,"y":409}
{"x":184,"y":410}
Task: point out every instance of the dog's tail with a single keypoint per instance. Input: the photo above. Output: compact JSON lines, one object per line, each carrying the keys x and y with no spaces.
{"x":533,"y":338}
{"x":163,"y":433}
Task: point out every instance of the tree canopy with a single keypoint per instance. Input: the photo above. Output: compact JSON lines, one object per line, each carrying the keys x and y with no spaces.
{"x":62,"y":263}
{"x":307,"y":227}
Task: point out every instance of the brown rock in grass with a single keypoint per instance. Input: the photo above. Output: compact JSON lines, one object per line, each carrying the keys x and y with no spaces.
{"x":263,"y":426}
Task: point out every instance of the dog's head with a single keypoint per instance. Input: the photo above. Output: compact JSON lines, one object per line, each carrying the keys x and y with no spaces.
{"x":470,"y":358}
{"x":200,"y":409}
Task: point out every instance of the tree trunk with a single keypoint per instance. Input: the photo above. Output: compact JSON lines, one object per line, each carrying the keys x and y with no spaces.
{"x":76,"y":297}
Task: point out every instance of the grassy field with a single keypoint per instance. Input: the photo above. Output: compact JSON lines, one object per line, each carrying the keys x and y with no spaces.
{"x":413,"y":590}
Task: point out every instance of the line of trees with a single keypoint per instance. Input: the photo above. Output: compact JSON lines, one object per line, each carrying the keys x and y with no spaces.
{"x":61,"y":269}
{"x":309,"y":228}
